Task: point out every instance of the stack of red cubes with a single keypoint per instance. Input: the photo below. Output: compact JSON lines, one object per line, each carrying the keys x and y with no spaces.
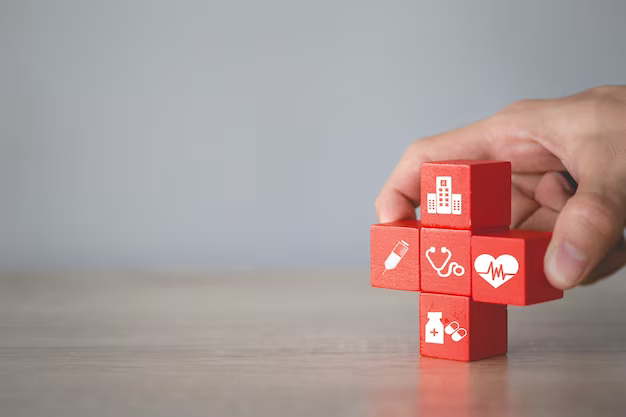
{"x":464,"y":258}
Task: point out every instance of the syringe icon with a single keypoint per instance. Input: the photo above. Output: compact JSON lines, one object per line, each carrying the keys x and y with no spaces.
{"x":396,"y":255}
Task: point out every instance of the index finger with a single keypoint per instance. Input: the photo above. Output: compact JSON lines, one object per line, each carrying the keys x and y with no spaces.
{"x":400,"y":196}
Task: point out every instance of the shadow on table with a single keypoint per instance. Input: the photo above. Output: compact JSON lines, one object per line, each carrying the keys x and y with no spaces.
{"x":450,"y":388}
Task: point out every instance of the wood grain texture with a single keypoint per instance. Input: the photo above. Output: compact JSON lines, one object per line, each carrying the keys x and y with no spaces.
{"x":301,"y":343}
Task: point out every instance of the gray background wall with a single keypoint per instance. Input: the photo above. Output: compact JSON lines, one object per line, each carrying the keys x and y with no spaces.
{"x":230,"y":134}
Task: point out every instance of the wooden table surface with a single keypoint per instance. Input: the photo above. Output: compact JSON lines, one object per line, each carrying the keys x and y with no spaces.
{"x":299,"y":343}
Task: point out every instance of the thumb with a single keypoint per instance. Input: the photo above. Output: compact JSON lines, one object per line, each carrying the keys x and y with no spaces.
{"x":588,"y":228}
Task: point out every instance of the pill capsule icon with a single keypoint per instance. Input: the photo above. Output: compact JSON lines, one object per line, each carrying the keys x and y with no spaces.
{"x":459,"y":334}
{"x":455,"y":331}
{"x":452,"y":327}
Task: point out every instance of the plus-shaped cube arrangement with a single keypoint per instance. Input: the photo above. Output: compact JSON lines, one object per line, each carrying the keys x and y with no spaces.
{"x":463,"y":258}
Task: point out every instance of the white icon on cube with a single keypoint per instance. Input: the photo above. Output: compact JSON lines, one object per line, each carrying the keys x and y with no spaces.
{"x":456,"y":204}
{"x":456,"y":332}
{"x":434,"y":328}
{"x":435,"y":331}
{"x":442,"y":201}
{"x":396,"y":255}
{"x":453,"y":267}
{"x":496,"y":271}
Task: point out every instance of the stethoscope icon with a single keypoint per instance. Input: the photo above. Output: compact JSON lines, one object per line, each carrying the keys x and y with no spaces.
{"x":453,"y":267}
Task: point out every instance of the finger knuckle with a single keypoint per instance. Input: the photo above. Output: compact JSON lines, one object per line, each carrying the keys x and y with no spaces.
{"x":522,"y":104}
{"x":602,"y":91}
{"x":378,"y":203}
{"x":417,"y":146}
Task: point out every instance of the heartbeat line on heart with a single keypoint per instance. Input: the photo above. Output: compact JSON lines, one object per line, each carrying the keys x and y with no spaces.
{"x":496,"y":272}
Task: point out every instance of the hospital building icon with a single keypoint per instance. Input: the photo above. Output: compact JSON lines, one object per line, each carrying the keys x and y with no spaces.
{"x":443,"y":201}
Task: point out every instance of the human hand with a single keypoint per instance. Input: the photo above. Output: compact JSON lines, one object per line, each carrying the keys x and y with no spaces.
{"x":584,"y":134}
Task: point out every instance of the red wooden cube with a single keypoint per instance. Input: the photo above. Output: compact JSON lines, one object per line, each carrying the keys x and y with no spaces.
{"x":394,"y":255}
{"x":507,"y":268}
{"x":456,"y":327}
{"x":445,"y":261}
{"x":466,"y":194}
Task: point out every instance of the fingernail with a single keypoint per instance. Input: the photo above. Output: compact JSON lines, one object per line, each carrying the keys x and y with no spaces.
{"x":567,"y":264}
{"x":568,"y":182}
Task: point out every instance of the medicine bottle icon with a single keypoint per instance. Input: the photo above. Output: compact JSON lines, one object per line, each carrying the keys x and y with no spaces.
{"x":434,"y":328}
